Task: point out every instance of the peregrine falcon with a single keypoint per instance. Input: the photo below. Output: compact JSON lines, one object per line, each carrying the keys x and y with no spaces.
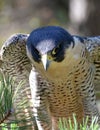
{"x":64,"y":70}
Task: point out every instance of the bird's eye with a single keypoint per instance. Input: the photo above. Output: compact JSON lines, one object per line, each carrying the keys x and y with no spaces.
{"x":36,"y":51}
{"x":55,"y":50}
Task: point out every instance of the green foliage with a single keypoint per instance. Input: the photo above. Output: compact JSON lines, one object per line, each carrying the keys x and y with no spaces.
{"x":68,"y":125}
{"x":10,"y":119}
{"x":13,"y":126}
{"x":5,"y":95}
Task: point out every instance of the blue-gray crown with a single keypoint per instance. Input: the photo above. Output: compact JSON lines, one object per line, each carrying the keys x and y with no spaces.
{"x":45,"y":39}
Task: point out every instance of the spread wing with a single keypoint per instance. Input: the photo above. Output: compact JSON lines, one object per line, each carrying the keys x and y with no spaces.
{"x":93,"y":47}
{"x":14,"y":62}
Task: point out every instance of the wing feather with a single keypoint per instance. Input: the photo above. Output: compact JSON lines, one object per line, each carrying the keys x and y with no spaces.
{"x":14,"y":62}
{"x":93,"y":47}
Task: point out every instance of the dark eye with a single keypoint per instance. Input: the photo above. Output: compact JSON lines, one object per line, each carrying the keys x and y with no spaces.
{"x":36,"y":55}
{"x":55,"y":50}
{"x":36,"y":51}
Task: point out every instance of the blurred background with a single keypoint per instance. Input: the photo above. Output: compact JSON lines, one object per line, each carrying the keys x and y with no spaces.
{"x":81,"y":17}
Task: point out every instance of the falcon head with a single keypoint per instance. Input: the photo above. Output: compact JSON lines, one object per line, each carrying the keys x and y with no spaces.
{"x":48,"y":44}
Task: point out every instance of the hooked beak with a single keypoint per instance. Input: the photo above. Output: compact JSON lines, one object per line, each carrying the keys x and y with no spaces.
{"x":45,"y":61}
